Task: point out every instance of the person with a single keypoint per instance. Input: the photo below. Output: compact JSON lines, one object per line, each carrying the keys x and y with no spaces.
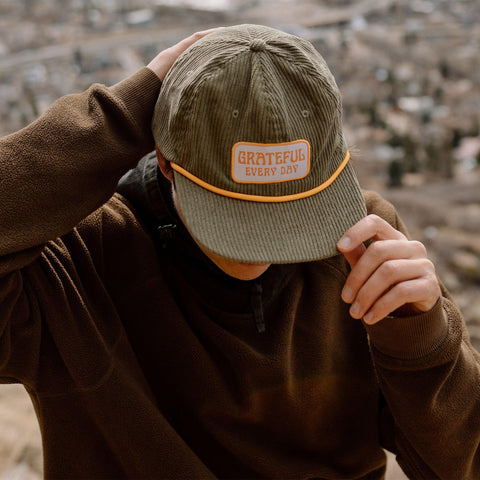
{"x":232,"y":304}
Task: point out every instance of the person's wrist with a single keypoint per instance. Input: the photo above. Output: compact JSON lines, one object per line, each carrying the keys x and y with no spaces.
{"x":160,"y":66}
{"x":410,"y":337}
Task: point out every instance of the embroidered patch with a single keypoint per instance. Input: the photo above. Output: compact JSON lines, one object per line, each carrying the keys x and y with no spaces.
{"x":270,"y":162}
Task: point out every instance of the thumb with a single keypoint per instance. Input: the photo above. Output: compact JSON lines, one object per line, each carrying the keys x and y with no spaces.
{"x":352,"y":256}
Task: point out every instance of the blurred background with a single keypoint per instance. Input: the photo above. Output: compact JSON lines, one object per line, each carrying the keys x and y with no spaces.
{"x":409,"y":72}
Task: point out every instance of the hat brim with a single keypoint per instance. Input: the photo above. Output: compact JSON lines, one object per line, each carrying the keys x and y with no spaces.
{"x":302,"y":230}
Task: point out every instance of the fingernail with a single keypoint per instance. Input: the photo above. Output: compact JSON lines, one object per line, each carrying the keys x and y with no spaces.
{"x":355,"y":310}
{"x":344,"y":242}
{"x":368,"y":317}
{"x":347,"y":294}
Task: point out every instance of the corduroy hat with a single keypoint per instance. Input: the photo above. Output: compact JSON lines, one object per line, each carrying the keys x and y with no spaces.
{"x":250,"y":119}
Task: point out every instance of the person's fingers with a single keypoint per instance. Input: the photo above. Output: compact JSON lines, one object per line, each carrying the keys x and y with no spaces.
{"x":377,"y":254}
{"x":412,"y":293}
{"x":390,"y":273}
{"x":181,"y":46}
{"x":353,"y":256}
{"x":162,"y":63}
{"x":371,"y":227}
{"x":373,"y":296}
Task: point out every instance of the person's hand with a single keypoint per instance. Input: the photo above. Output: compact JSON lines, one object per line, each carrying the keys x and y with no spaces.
{"x":161,"y":64}
{"x":391,"y":274}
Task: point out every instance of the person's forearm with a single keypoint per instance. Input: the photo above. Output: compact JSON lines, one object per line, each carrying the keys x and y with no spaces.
{"x":432,"y":390}
{"x":66,"y":164}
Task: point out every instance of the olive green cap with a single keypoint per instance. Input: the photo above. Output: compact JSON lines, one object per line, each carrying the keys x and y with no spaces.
{"x":251,"y":120}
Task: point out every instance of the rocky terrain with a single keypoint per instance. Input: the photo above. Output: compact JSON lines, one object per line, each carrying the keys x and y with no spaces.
{"x":410,"y":77}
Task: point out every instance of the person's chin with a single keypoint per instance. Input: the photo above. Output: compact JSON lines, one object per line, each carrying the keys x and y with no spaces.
{"x":244,"y":271}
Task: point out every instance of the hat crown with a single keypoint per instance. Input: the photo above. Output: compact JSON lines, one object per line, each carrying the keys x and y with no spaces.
{"x":251,"y":85}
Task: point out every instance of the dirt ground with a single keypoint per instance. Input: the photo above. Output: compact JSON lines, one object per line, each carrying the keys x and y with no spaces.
{"x":20,"y":445}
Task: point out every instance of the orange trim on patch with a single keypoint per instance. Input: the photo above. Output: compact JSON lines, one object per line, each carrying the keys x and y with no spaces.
{"x":262,"y":198}
{"x":270,"y":162}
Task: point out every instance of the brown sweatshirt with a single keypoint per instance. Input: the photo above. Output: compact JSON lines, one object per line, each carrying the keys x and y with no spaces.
{"x":144,"y":361}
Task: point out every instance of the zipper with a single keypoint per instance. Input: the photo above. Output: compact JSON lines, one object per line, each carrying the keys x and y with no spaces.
{"x":257,"y":307}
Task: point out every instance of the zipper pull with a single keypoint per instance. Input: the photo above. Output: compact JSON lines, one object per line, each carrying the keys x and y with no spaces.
{"x":165,"y":234}
{"x":257,"y":307}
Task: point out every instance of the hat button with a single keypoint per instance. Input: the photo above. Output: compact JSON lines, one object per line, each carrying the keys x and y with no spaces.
{"x":257,"y":45}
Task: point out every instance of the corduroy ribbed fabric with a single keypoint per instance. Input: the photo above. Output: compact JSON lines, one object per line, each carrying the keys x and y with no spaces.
{"x":144,"y":360}
{"x":251,"y":84}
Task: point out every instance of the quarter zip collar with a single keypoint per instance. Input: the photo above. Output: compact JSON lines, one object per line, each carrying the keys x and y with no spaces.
{"x":150,"y":194}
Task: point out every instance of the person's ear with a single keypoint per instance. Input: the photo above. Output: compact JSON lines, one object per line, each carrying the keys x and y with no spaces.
{"x":164,"y":165}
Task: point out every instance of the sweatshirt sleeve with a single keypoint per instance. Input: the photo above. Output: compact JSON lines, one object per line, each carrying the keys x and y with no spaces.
{"x":53,"y":174}
{"x":430,"y":377}
{"x":66,"y":164}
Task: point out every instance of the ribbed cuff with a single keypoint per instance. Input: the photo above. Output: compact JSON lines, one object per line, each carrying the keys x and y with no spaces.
{"x":139,"y":93}
{"x":409,"y":338}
